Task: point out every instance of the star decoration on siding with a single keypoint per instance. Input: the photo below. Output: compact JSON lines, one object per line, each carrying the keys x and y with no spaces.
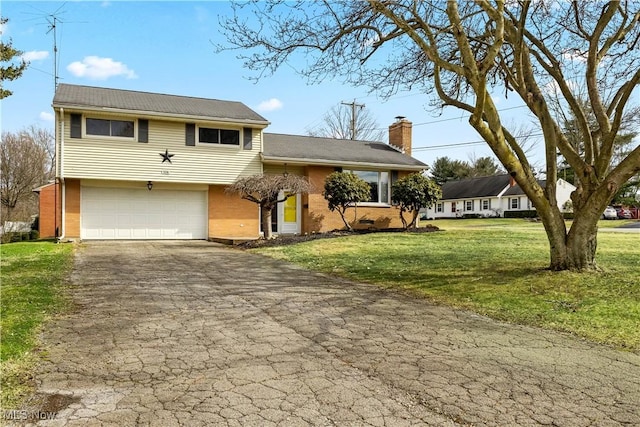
{"x":166,"y":157}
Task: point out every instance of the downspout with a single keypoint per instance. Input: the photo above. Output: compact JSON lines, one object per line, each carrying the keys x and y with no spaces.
{"x":61,"y":178}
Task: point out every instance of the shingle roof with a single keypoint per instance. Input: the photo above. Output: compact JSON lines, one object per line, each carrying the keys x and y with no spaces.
{"x":339,"y":152}
{"x":96,"y":98}
{"x":517,"y":191}
{"x":484,"y":186}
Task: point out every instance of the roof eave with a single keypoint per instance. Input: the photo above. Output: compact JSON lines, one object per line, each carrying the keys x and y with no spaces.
{"x":328,"y":162}
{"x":181,"y":117}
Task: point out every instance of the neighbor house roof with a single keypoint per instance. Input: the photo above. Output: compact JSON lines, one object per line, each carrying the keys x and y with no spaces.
{"x":517,"y":191}
{"x":154,"y":104}
{"x":298,"y":149}
{"x":484,"y":186}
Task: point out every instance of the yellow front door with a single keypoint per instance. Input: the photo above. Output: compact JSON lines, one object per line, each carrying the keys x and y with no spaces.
{"x":291,"y":208}
{"x":290,"y":215}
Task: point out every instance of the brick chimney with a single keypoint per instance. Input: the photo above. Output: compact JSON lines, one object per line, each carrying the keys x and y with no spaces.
{"x":400,"y":135}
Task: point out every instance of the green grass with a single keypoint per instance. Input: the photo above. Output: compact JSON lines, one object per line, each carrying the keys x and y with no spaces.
{"x":32,"y":277}
{"x":494,"y":267}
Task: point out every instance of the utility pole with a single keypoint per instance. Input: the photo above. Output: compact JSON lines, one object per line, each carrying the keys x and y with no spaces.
{"x":353,"y":116}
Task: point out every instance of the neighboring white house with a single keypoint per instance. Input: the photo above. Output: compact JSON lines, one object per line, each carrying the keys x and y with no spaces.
{"x":489,"y":196}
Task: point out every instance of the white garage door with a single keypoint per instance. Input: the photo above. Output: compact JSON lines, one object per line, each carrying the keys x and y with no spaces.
{"x":127,"y":213}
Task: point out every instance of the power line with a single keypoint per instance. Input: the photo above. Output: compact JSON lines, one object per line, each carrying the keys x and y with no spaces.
{"x":459,"y":144}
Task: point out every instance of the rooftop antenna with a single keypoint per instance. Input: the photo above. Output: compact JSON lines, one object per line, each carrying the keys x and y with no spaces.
{"x":53,"y":26}
{"x":53,"y":19}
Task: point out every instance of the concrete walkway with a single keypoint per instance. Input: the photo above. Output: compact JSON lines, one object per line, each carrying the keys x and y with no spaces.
{"x":195,"y":334}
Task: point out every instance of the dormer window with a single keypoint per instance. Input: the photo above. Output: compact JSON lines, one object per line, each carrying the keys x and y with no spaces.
{"x":102,"y":127}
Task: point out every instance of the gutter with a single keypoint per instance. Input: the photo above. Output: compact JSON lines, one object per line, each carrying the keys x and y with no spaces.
{"x":325,"y":162}
{"x":63,"y":202}
{"x":168,"y":116}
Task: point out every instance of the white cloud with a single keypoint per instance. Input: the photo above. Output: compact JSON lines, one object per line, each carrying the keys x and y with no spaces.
{"x":105,"y":3}
{"x":35,"y":55}
{"x":97,"y":68}
{"x":46,"y":116}
{"x":270,"y":105}
{"x":202,"y":14}
{"x":575,"y":56}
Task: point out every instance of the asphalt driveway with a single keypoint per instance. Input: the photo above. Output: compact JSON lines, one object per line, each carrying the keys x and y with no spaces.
{"x":193,"y":333}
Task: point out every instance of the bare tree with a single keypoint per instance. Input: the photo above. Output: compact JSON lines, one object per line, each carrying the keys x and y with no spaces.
{"x":266,"y":190}
{"x":342,"y":122}
{"x":464,"y":52}
{"x":26,"y":162}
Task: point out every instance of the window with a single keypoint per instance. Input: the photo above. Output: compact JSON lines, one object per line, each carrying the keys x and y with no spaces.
{"x":439,"y":207}
{"x":514,"y":203}
{"x":218,"y":136}
{"x":486,"y":204}
{"x":102,"y":127}
{"x":453,"y":207}
{"x":468,"y":205}
{"x":379,"y":183}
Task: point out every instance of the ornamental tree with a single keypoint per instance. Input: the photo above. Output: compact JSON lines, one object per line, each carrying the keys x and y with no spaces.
{"x":549,"y":54}
{"x":344,"y":190}
{"x":267,"y":191}
{"x":412,"y":193}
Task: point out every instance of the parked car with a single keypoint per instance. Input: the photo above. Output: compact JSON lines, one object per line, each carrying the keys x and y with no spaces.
{"x":623,"y":213}
{"x":610,"y":213}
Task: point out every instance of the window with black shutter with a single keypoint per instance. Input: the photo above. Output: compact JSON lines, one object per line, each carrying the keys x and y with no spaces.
{"x":247,"y":135}
{"x":143,"y":130}
{"x":76,"y":126}
{"x":190,"y":134}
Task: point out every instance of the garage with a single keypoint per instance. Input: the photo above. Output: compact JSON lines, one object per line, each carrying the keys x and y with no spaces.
{"x":133,"y":213}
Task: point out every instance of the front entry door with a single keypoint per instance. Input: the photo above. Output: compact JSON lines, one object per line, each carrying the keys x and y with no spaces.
{"x":289,"y":215}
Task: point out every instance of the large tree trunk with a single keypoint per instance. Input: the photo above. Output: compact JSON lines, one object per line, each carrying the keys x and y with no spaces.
{"x":573,"y":250}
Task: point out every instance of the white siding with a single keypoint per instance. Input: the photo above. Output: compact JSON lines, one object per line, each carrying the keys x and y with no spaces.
{"x":126,"y":159}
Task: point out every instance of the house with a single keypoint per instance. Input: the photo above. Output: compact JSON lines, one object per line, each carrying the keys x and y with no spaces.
{"x":489,"y":196}
{"x":138,"y":165}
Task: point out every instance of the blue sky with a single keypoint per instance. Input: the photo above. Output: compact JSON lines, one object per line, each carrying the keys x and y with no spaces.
{"x":168,"y":47}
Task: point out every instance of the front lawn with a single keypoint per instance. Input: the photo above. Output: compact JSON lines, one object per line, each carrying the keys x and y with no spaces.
{"x":494,"y":267}
{"x":32,"y":276}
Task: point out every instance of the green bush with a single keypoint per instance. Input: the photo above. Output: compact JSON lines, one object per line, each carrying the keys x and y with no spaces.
{"x":34,"y":235}
{"x":521,"y":214}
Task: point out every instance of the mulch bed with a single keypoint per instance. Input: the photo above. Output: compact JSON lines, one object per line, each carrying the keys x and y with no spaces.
{"x":292,"y":239}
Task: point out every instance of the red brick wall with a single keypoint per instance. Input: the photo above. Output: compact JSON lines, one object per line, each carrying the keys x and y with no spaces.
{"x":318,"y":218}
{"x":231,"y":216}
{"x":47,"y":211}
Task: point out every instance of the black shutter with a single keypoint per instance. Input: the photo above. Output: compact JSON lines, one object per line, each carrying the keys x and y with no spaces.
{"x":394,"y":177}
{"x":76,"y":126}
{"x":190,"y":134}
{"x":143,"y":130}
{"x":247,"y":138}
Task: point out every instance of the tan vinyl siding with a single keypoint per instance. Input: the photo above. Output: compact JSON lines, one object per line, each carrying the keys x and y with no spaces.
{"x":126,"y":159}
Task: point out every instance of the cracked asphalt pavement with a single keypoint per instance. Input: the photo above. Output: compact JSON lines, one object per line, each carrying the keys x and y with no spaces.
{"x":198,"y":334}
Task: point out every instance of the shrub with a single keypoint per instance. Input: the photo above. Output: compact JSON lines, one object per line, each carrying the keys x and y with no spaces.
{"x":412,"y":193}
{"x":521,"y":214}
{"x":343,"y":190}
